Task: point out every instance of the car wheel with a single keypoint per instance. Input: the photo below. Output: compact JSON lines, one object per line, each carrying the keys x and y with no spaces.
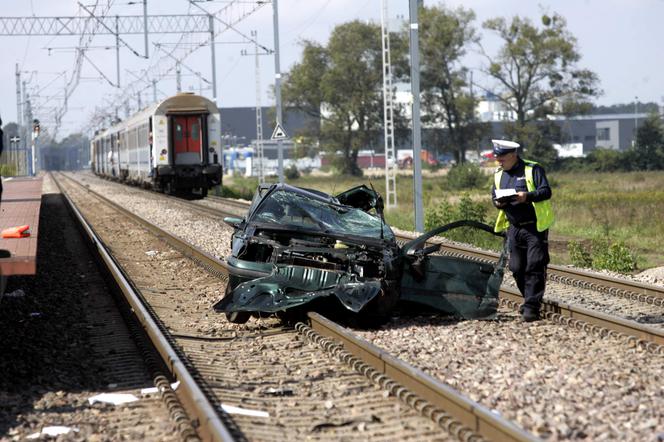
{"x":237,"y":317}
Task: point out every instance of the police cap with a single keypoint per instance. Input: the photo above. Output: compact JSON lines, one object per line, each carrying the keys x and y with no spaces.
{"x":502,"y":147}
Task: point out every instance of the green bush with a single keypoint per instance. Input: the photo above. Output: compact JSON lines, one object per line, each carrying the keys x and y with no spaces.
{"x":466,"y":176}
{"x":7,"y":170}
{"x":465,"y":209}
{"x":604,"y":255}
{"x":579,"y":256}
{"x":291,"y":172}
{"x":613,"y":256}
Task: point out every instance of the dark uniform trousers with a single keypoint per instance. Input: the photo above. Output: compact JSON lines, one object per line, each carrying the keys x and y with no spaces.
{"x":529,"y":256}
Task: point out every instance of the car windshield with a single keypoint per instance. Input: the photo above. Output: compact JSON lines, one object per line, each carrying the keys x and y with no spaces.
{"x":295,"y":209}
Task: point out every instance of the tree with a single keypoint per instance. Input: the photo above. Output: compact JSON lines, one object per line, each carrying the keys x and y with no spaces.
{"x":445,"y":37}
{"x":536,"y":70}
{"x":342,"y":85}
{"x":538,"y":137}
{"x":649,"y":147}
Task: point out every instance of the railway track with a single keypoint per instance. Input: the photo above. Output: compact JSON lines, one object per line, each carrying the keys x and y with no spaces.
{"x":288,"y":388}
{"x":600,"y":354}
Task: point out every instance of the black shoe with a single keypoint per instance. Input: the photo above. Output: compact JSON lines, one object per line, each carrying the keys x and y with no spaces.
{"x":530,"y":315}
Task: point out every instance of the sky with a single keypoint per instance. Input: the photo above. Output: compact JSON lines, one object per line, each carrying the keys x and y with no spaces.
{"x":620,"y":40}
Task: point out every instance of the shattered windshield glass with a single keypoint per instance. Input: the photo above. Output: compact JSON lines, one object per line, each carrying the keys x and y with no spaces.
{"x":295,"y":209}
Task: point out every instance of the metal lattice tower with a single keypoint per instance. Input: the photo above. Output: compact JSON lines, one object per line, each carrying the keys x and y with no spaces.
{"x":388,"y":115}
{"x":259,"y":120}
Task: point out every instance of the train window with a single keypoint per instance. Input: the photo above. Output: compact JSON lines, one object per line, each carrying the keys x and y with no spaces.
{"x":143,"y":136}
{"x":194,"y":131}
{"x":178,"y":132}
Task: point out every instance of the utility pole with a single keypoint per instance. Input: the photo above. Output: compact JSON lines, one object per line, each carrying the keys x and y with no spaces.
{"x":178,"y":79}
{"x":154,"y":91}
{"x":259,"y":154}
{"x":277,"y":88}
{"x":388,"y":115}
{"x":18,"y":97}
{"x":27,"y":119}
{"x":214,"y":62}
{"x":145,"y":28}
{"x":259,"y":116}
{"x":415,"y":90}
{"x":117,"y":50}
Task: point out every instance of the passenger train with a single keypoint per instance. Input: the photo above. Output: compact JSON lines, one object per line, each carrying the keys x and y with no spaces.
{"x":173,"y":146}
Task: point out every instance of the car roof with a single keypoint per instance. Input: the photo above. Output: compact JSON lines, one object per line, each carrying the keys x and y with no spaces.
{"x":313,"y":193}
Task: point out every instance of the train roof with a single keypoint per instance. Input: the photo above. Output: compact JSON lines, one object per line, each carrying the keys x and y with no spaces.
{"x":185,"y":102}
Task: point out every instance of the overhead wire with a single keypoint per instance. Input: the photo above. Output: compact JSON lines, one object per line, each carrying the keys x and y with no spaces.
{"x":135,"y":87}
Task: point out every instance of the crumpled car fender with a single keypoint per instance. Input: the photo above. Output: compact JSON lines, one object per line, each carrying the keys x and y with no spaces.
{"x":291,"y":286}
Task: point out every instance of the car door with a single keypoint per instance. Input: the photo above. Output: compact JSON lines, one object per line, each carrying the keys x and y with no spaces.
{"x":456,"y":286}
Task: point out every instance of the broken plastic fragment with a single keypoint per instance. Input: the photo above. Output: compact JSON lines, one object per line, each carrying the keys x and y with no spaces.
{"x":18,"y":293}
{"x":230,"y":409}
{"x":113,"y":398}
{"x":55,"y":430}
{"x":282,"y":391}
{"x":151,"y":390}
{"x":152,"y":252}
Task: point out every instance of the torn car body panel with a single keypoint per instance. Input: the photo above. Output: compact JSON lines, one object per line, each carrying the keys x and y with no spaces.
{"x":292,"y":286}
{"x":460,"y":287}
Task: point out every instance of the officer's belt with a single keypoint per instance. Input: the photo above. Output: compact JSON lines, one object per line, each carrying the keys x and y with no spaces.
{"x":525,"y":223}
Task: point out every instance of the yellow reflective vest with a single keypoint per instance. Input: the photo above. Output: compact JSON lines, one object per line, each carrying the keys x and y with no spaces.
{"x":543,"y":209}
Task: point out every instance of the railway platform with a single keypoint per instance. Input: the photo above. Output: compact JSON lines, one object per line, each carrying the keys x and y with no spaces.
{"x":21,"y":202}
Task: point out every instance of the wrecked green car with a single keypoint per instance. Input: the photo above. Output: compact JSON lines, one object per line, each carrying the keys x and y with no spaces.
{"x":300,"y":249}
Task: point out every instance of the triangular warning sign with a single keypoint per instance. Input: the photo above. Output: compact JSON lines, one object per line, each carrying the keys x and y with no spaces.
{"x":279,"y":133}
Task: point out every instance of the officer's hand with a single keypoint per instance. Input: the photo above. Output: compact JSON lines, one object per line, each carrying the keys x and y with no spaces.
{"x":521,"y":197}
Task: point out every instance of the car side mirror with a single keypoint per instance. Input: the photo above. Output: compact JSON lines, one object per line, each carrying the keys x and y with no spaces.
{"x":233,"y":222}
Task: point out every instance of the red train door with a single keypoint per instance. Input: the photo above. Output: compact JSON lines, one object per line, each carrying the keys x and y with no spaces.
{"x":187,"y":139}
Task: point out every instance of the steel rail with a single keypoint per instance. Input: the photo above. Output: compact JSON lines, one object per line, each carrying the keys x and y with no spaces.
{"x":208,"y":261}
{"x":644,"y":333}
{"x":233,"y":202}
{"x":471,"y":414}
{"x":210,"y":425}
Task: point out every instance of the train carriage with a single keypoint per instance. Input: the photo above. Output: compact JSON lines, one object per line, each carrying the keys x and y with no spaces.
{"x":171,"y":146}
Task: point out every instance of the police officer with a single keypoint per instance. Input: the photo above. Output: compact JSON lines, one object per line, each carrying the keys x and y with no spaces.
{"x":522,"y":195}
